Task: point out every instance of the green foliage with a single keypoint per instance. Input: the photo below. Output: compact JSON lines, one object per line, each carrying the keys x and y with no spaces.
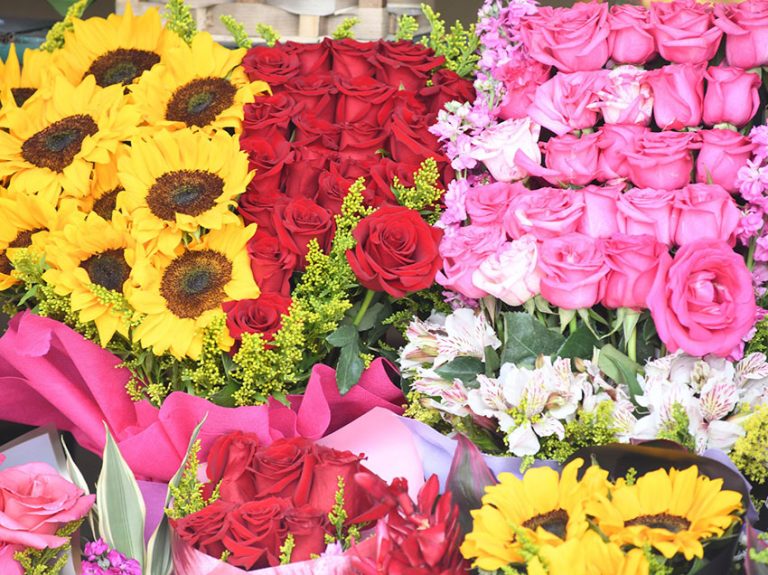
{"x":407,"y":26}
{"x":458,"y":46}
{"x":208,"y":374}
{"x":587,"y":429}
{"x":286,"y":549}
{"x":270,"y":35}
{"x":657,"y":565}
{"x":415,"y":409}
{"x":759,"y":342}
{"x":48,"y":561}
{"x":676,"y":428}
{"x":525,"y":338}
{"x":55,"y":37}
{"x":237,"y":30}
{"x":344,"y":30}
{"x":425,"y":194}
{"x":179,"y":19}
{"x":749,"y":452}
{"x":188,"y":494}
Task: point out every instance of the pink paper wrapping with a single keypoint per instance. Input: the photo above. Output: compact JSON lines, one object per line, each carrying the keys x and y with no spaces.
{"x":51,"y":375}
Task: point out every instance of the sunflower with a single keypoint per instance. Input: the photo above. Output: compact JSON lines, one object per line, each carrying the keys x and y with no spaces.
{"x":546,"y":507}
{"x":180,"y":296}
{"x":52,"y":142}
{"x":674,"y":511}
{"x":18,"y":83}
{"x":104,"y":188}
{"x":201,"y":86}
{"x":91,"y":262}
{"x":179,"y":181}
{"x":588,"y":555}
{"x":115,"y":50}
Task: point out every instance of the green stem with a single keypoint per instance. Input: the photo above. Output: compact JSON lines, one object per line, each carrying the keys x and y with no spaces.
{"x":573,"y":325}
{"x":364,"y":307}
{"x":632,"y":345}
{"x":751,"y":253}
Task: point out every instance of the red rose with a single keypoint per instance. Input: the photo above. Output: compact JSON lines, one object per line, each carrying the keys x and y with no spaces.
{"x":301,"y":220}
{"x":379,"y":189}
{"x":446,"y":86}
{"x":396,"y":251}
{"x":268,"y":158}
{"x":229,"y":460}
{"x":284,"y":469}
{"x":353,"y":59}
{"x":269,"y":117}
{"x":313,"y":131}
{"x":412,"y":143}
{"x":314,"y":57}
{"x":308,"y":527}
{"x":407,"y":107}
{"x":272,"y":266}
{"x":301,"y":177}
{"x":362,"y":140}
{"x":274,"y":65}
{"x":331,"y":189}
{"x":263,"y":315}
{"x":353,"y":169}
{"x":256,"y":532}
{"x":256,"y":207}
{"x":316,"y":93}
{"x":206,"y":529}
{"x":332,"y":464}
{"x":361,"y":98}
{"x":405,"y":65}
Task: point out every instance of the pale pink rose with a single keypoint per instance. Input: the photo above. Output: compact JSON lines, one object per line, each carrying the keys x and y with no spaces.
{"x":511,"y":274}
{"x":705,"y":212}
{"x":521,"y":78}
{"x":723,"y":153}
{"x":633,"y":261}
{"x":685,"y":31}
{"x":570,"y":39}
{"x":571,"y":160}
{"x":678,"y":95}
{"x":497,"y":146}
{"x":600,"y":218}
{"x":630,"y":40}
{"x":648,"y":212}
{"x":746,"y":33}
{"x":702,"y":301}
{"x":661,"y":160}
{"x":614,"y":142}
{"x":574,"y":270}
{"x":732,"y":96}
{"x":566,"y":102}
{"x":487,"y":204}
{"x":545,"y":213}
{"x":626,"y":97}
{"x":463,"y":252}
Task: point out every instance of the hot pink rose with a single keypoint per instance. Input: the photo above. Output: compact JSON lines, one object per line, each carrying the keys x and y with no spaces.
{"x":648,"y":212}
{"x":732,"y":96}
{"x":566,"y":102}
{"x":463,"y":251}
{"x":571,"y":160}
{"x":746,"y":33}
{"x":9,"y":565}
{"x":574,"y":270}
{"x":630,"y":40}
{"x":685,"y":31}
{"x":678,"y":95}
{"x":570,"y":39}
{"x":723,"y":153}
{"x":702,"y":301}
{"x":521,"y":77}
{"x":545,"y":213}
{"x":614,"y":142}
{"x":600,"y":216}
{"x":661,"y":160}
{"x":626,"y":97}
{"x":633,"y":261}
{"x":498,"y":145}
{"x":705,"y":212}
{"x":511,"y":274}
{"x":486,"y":205}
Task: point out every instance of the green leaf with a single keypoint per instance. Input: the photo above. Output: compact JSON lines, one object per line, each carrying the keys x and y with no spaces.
{"x":61,"y":6}
{"x":349,"y":368}
{"x":372,"y":317}
{"x":121,"y":505}
{"x":492,"y":361}
{"x":343,"y":336}
{"x":620,"y":368}
{"x":580,"y":343}
{"x":525,"y":338}
{"x":77,"y":478}
{"x":463,"y":368}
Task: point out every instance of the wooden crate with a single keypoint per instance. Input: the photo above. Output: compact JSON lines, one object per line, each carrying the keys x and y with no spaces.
{"x":301,"y":20}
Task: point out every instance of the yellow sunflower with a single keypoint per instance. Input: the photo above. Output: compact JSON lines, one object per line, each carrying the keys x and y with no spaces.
{"x":201,"y":86}
{"x":115,"y":50}
{"x":548,"y":508}
{"x":672,"y":511}
{"x":104,"y":188}
{"x":52,"y":143}
{"x":182,"y":295}
{"x":18,"y":83}
{"x":91,"y":262}
{"x":179,"y":181}
{"x":588,"y":555}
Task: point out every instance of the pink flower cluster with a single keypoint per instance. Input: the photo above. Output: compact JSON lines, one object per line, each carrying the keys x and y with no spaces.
{"x":99,"y":559}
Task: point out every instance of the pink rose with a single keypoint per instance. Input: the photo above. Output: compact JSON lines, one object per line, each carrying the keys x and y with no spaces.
{"x":678,"y":95}
{"x":648,"y":212}
{"x":633,"y":261}
{"x":498,"y":145}
{"x":685,"y":31}
{"x":545,"y":213}
{"x":626,"y":97}
{"x":600,"y":216}
{"x":630,"y":40}
{"x":487,"y":204}
{"x":662,"y":160}
{"x":723,"y":153}
{"x":511,"y":274}
{"x":705,"y":212}
{"x":571,"y":160}
{"x":566,"y":102}
{"x":614,"y":142}
{"x":702,"y":301}
{"x":521,"y":77}
{"x":35,"y":503}
{"x":463,"y":251}
{"x":574,"y":269}
{"x":732,"y":96}
{"x":746,"y":33}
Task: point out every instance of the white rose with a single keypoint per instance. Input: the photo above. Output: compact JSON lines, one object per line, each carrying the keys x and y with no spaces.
{"x":511,"y":273}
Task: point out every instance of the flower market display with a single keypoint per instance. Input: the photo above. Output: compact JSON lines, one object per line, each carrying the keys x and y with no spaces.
{"x":480,"y":299}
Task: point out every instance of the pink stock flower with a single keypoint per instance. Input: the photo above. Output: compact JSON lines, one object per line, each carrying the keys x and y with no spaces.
{"x":630,"y":40}
{"x":705,"y":212}
{"x":614,"y":142}
{"x":732,"y":96}
{"x":662,"y":160}
{"x":497,"y":146}
{"x":571,"y":160}
{"x":722,"y":154}
{"x":511,"y":274}
{"x":759,"y":137}
{"x":746,"y":33}
{"x":567,"y":102}
{"x":462,"y":254}
{"x":626,"y":97}
{"x":753,"y":183}
{"x":455,"y":202}
{"x":600,"y":218}
{"x":685,"y":31}
{"x":648,"y":212}
{"x":544,"y":213}
{"x":633,"y":261}
{"x":750,"y":224}
{"x":678,"y":95}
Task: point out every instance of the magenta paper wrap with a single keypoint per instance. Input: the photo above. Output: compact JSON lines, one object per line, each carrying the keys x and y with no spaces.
{"x":51,"y":375}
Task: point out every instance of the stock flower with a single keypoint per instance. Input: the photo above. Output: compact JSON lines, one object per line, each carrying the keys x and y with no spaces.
{"x":674,"y":511}
{"x":18,"y":83}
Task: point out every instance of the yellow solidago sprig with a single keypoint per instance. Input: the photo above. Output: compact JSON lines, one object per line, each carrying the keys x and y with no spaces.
{"x":55,"y":37}
{"x":188,"y":495}
{"x":268,"y":33}
{"x":407,"y":26}
{"x":749,"y":452}
{"x":459,"y":46}
{"x":179,"y":19}
{"x":236,"y":28}
{"x":345,"y":29}
{"x":48,"y":561}
{"x":425,"y":194}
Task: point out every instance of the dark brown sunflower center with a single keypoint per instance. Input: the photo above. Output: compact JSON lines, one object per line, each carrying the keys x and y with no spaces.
{"x":673,"y":523}
{"x":194,"y":282}
{"x":121,"y":66}
{"x":5,"y":264}
{"x":107,"y":203}
{"x":57,"y":145}
{"x":197,"y":103}
{"x":22,"y":240}
{"x":108,"y":269}
{"x":189,"y":192}
{"x":21,"y":95}
{"x":554,"y":522}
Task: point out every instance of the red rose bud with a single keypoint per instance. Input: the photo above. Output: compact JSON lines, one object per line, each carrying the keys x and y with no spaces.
{"x":206,"y":529}
{"x":263,"y":315}
{"x":272,"y":266}
{"x":274,"y":65}
{"x":352,"y":59}
{"x":316,"y":93}
{"x":308,"y":527}
{"x":228,"y":466}
{"x":361,"y":97}
{"x":269,"y":117}
{"x":314,"y":57}
{"x":267,"y":158}
{"x":284,"y":469}
{"x":257,"y":530}
{"x":299,"y":221}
